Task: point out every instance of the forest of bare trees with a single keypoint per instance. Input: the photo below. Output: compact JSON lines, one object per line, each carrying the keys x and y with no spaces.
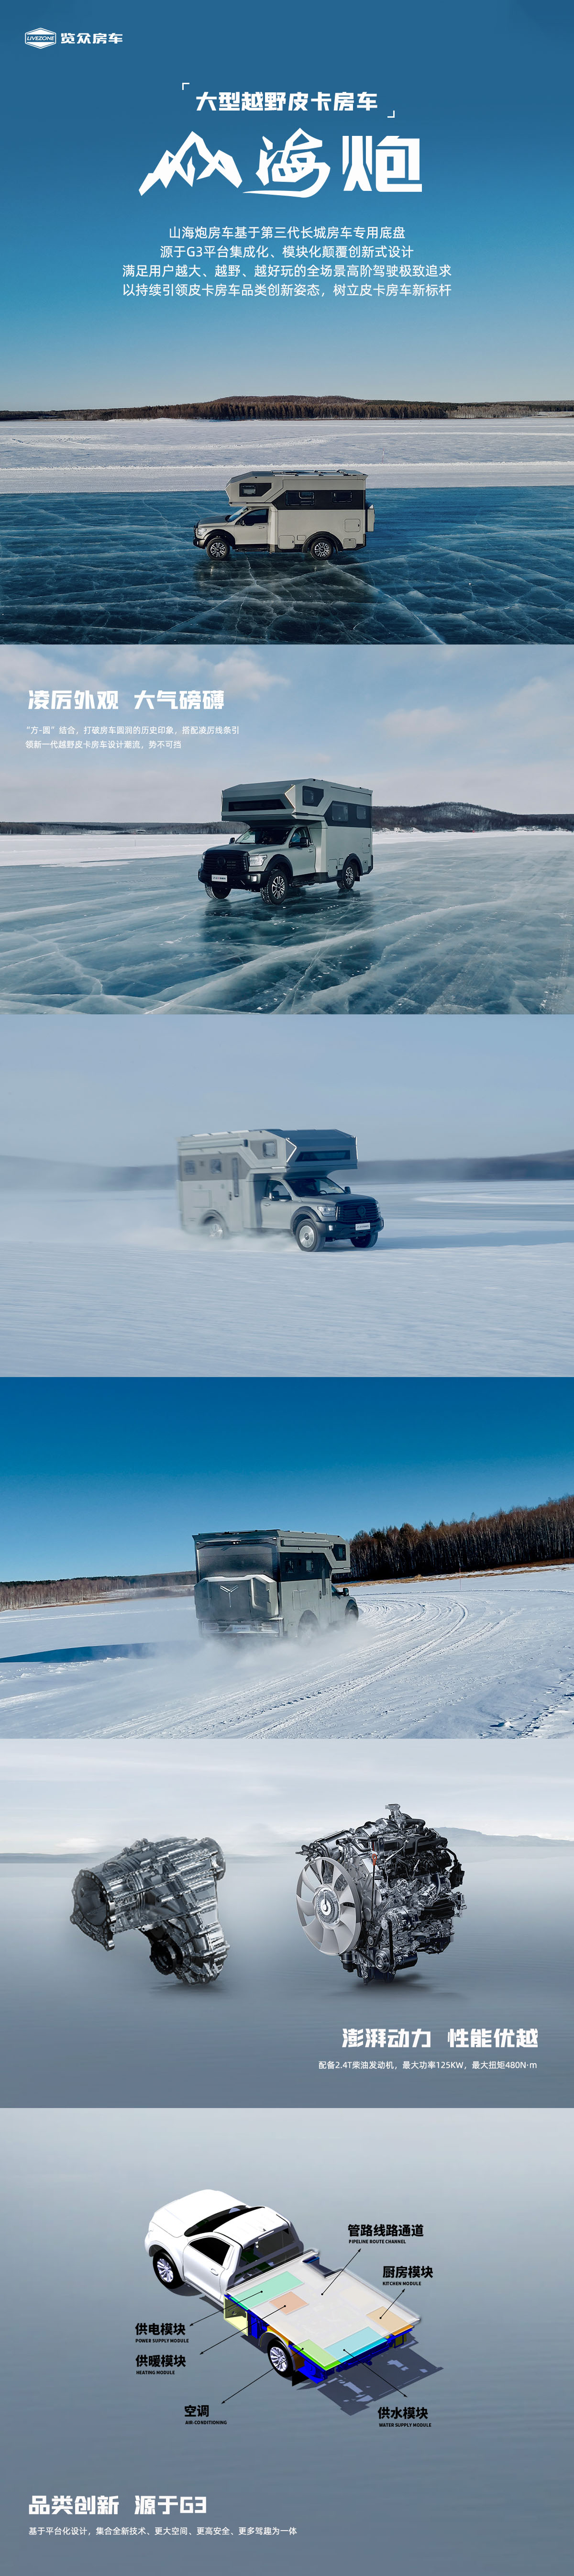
{"x":543,"y":1535}
{"x":43,"y":1595}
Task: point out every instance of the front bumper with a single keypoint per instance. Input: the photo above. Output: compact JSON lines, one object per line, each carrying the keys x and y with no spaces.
{"x":222,"y":868}
{"x":359,"y":1222}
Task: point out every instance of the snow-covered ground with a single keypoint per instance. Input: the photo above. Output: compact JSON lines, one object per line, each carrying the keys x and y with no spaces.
{"x":448,"y":921}
{"x":466,"y":1279}
{"x":491,"y":1656}
{"x":171,"y":455}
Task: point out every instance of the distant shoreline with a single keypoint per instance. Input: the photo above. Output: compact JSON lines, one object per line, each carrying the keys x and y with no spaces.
{"x":385,"y":818}
{"x":230,"y":407}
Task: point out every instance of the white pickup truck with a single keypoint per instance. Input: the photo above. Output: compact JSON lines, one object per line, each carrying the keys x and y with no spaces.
{"x":307,"y":2320}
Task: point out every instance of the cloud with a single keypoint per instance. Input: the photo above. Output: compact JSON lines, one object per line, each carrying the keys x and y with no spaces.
{"x":245,"y":675}
{"x":420,"y":723}
{"x":540,"y":706}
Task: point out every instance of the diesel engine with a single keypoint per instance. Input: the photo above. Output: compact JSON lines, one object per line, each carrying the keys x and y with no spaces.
{"x":376,"y":1894}
{"x":167,"y":1890}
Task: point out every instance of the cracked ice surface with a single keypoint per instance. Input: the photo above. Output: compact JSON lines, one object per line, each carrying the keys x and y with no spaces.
{"x":447,"y":922}
{"x":442,"y":566}
{"x":493,"y":1657}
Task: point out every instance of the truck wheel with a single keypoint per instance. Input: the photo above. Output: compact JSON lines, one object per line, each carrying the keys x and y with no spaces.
{"x":277,"y":886}
{"x":165,"y":2269}
{"x":351,"y":1611}
{"x":307,"y":1235}
{"x":322,"y":548}
{"x":363,"y":1242}
{"x":219,"y":548}
{"x":280,"y":2360}
{"x":220,"y":893}
{"x":308,"y":1629}
{"x":347,"y":876}
{"x":216,"y":1228}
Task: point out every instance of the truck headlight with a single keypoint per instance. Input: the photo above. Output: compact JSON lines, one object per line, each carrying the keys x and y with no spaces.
{"x":325,"y":1208}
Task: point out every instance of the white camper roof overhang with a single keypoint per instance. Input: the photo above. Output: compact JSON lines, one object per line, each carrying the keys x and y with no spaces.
{"x":301,"y":1149}
{"x":265,"y":799}
{"x":265,"y":484}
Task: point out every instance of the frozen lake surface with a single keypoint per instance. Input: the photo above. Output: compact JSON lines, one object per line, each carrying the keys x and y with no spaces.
{"x":491,"y":1657}
{"x":466,"y":1278}
{"x":447,"y":922}
{"x":172,"y":455}
{"x":443,"y":566}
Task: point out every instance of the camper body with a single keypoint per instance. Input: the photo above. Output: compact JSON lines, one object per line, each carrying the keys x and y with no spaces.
{"x":275,"y":1583}
{"x":285,"y":834}
{"x":298,"y":513}
{"x":267,"y":1182}
{"x":305,"y":2319}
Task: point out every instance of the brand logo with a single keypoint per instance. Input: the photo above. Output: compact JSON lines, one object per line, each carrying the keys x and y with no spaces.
{"x":40,"y":36}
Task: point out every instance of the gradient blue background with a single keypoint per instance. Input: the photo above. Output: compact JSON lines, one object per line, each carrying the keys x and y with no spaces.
{"x":115,"y":1476}
{"x":489,"y":93}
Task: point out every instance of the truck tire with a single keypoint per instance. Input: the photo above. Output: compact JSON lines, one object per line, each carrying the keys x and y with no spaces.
{"x":218,"y":548}
{"x":215,"y":1227}
{"x":308,"y":1629}
{"x":165,"y":2269}
{"x":276,"y":887}
{"x":347,"y":876}
{"x":307,"y":1235}
{"x":351,"y":1610}
{"x":219,"y":893}
{"x":279,"y":2359}
{"x":322,"y":548}
{"x":363,"y":1242}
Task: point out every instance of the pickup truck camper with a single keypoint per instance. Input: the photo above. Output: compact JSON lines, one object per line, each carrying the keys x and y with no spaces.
{"x":297,"y":513}
{"x":290,"y":833}
{"x":269,"y":1182}
{"x":307,"y":2320}
{"x":273,"y":1583}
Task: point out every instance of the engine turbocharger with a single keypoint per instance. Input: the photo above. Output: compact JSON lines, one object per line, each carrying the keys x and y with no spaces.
{"x":376,"y":1894}
{"x":167,"y":1890}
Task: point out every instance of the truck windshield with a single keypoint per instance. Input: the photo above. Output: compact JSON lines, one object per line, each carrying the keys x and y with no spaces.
{"x":259,"y":835}
{"x":309,"y":1188}
{"x":227,"y":1557}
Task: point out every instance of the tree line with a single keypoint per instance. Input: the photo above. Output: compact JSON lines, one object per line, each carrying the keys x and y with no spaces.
{"x":540,"y":1535}
{"x":89,"y":1587}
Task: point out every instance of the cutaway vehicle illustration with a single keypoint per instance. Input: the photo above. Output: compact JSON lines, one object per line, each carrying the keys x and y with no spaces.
{"x":375,"y":1894}
{"x":166,"y":1890}
{"x":307,"y":2320}
{"x":269,"y":1182}
{"x":290,"y":833}
{"x":293,"y":513}
{"x":272,"y":1583}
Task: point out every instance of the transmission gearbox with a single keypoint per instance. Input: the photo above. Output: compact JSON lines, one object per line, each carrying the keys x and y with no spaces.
{"x":376,"y":1894}
{"x":166,"y":1890}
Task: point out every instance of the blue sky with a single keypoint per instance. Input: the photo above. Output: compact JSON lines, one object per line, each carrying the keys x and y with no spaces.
{"x":414,"y":722}
{"x":121,"y":1090}
{"x":489,"y":94}
{"x":115,"y":1476}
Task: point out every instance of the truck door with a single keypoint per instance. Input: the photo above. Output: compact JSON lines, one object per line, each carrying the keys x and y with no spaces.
{"x":203,"y":2264}
{"x":252,"y":528}
{"x":276,"y":1208}
{"x":300,"y":849}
